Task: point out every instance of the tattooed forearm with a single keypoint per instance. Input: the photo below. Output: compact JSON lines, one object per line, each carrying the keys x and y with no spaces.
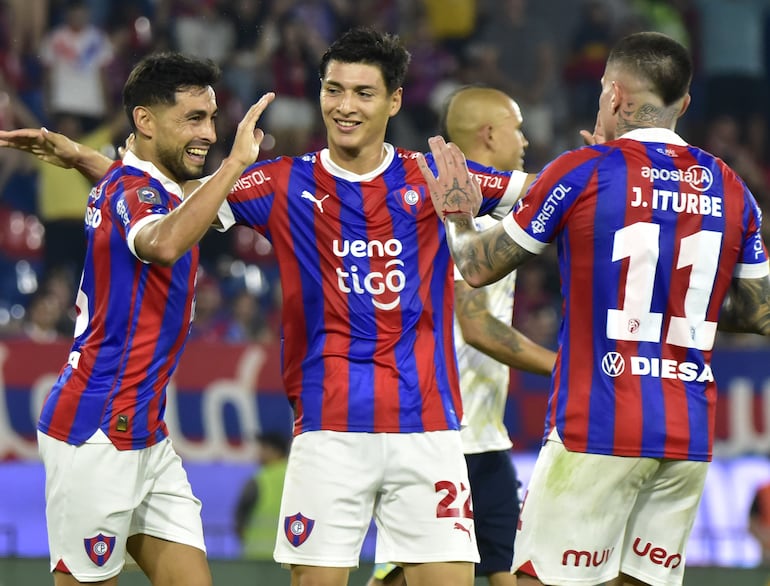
{"x":747,"y":307}
{"x":482,"y":257}
{"x":495,"y":338}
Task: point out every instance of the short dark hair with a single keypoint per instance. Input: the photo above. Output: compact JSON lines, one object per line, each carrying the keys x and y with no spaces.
{"x":366,"y":45}
{"x":657,"y":58}
{"x":158,"y":77}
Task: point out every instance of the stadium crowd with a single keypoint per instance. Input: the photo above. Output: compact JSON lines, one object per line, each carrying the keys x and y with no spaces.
{"x":62,"y":63}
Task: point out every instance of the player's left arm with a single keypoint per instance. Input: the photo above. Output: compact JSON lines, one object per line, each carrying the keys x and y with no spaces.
{"x":482,"y":330}
{"x":481,"y":257}
{"x":747,"y":307}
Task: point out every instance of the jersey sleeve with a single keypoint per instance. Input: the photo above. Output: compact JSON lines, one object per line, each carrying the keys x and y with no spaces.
{"x":500,"y":189}
{"x":139,"y":201}
{"x":251,"y":198}
{"x":753,"y":259}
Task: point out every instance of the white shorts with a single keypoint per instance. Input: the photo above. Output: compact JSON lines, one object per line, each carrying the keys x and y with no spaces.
{"x":588,"y":517}
{"x":97,"y":496}
{"x":414,"y":484}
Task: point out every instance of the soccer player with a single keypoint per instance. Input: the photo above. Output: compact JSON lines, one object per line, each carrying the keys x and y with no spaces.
{"x":659,"y":243}
{"x":114,"y":483}
{"x":485,"y":124}
{"x":368,"y":356}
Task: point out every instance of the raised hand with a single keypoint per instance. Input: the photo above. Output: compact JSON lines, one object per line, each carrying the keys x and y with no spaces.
{"x":454,"y":191}
{"x":248,"y":137}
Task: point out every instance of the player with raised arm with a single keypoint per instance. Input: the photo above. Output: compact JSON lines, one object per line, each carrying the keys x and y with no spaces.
{"x":658,"y":242}
{"x":114,"y":483}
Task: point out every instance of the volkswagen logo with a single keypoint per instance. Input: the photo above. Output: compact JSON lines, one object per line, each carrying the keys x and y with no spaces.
{"x":613,"y":364}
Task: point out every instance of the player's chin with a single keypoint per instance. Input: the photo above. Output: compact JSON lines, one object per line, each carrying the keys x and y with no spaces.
{"x":193,"y":172}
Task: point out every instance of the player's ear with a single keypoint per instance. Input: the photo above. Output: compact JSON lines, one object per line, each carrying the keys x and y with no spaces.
{"x":487,"y":134}
{"x":685,"y":105}
{"x":396,"y":98}
{"x":616,"y":99}
{"x":144,"y":121}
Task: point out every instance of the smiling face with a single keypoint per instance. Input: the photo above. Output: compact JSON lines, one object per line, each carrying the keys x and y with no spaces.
{"x":180,"y":134}
{"x":356,"y":107}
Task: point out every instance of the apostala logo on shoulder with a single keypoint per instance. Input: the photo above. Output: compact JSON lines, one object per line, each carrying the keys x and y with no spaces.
{"x":698,"y":177}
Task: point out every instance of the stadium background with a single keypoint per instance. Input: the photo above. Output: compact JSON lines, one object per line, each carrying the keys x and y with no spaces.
{"x":228,"y":386}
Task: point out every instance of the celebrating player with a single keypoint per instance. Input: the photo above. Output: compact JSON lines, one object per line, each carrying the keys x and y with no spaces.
{"x":114,"y":483}
{"x":653,"y":236}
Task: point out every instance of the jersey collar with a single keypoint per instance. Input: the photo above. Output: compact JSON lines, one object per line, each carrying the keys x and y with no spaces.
{"x":338,"y":171}
{"x":655,"y":135}
{"x":132,"y":160}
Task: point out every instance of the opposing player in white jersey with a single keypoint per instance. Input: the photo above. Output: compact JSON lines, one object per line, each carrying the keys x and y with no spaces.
{"x":486,"y":124}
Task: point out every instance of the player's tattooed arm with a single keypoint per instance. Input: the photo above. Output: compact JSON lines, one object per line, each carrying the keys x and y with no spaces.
{"x":482,"y":257}
{"x":482,"y":330}
{"x":747,"y":307}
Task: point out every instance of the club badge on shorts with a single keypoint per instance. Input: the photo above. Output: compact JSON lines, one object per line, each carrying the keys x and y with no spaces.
{"x":297,"y":528}
{"x":99,"y":548}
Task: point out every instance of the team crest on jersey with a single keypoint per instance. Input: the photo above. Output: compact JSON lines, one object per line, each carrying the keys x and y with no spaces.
{"x":411,"y":197}
{"x":99,"y":548}
{"x":297,"y":528}
{"x":148,"y":195}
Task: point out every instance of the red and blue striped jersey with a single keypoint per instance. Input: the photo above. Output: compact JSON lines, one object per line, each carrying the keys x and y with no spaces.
{"x":367,"y":287}
{"x":133,"y":318}
{"x":650,"y":232}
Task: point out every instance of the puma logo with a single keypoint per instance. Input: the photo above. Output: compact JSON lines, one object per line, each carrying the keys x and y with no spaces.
{"x":462,"y":527}
{"x":318,"y":202}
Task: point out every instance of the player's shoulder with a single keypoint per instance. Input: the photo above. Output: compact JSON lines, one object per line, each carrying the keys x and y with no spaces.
{"x":406,"y":155}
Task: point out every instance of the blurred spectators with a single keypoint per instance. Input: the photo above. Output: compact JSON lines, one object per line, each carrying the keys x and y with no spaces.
{"x":524,"y":63}
{"x":65,"y":59}
{"x":584,"y":67}
{"x":75,"y":55}
{"x":201,"y":30}
{"x":732,"y":53}
{"x":43,"y":315}
{"x":293,"y":116}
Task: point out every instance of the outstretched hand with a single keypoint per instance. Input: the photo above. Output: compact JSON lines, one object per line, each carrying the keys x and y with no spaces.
{"x":50,"y":147}
{"x":454,"y":191}
{"x":248,"y":138}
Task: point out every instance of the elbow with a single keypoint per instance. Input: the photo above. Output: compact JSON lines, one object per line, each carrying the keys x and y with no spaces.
{"x":166,"y":256}
{"x":160,"y":253}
